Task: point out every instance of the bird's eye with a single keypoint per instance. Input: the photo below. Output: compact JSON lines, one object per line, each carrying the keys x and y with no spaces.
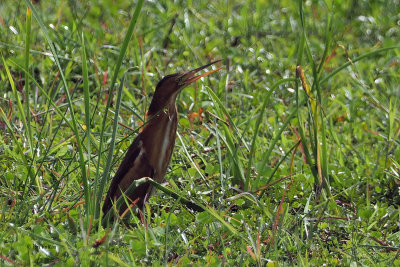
{"x":179,"y":80}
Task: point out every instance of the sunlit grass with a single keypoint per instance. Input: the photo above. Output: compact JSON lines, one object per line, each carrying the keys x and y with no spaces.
{"x":291,"y":150}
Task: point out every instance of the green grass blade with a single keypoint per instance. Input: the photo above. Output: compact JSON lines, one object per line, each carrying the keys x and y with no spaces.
{"x":366,"y":55}
{"x":221,"y":106}
{"x":194,"y":165}
{"x":27,"y":88}
{"x":258,"y":123}
{"x":23,"y":118}
{"x":275,"y":140}
{"x":328,"y":39}
{"x":121,"y":56}
{"x":45,"y":94}
{"x":87,"y":113}
{"x":229,"y":139}
{"x":256,"y":131}
{"x":107,"y":168}
{"x":73,"y":119}
{"x":20,"y":150}
{"x":16,"y":95}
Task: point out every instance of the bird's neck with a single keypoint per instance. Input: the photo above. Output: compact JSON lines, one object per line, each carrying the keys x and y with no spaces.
{"x":159,"y":133}
{"x":156,"y":107}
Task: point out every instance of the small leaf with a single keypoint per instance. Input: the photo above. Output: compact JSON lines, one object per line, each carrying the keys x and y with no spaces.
{"x":62,"y":151}
{"x":204,"y":217}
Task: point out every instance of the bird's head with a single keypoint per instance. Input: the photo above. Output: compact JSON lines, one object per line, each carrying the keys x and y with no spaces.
{"x":169,"y":87}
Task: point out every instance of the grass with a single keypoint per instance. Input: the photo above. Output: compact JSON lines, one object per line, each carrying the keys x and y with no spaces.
{"x":292,"y":150}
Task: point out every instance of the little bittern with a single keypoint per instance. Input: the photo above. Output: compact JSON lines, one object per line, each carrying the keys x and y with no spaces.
{"x":150,"y":152}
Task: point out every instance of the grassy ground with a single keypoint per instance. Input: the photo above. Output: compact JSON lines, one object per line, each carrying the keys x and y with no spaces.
{"x":295,"y":165}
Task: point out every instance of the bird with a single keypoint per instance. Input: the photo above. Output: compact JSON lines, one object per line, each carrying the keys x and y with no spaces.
{"x":150,"y":152}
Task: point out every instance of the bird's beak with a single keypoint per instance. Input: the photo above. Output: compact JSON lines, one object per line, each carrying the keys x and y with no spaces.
{"x":189,"y":77}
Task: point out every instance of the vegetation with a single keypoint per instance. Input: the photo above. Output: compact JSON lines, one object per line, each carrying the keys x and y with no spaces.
{"x":292,"y":148}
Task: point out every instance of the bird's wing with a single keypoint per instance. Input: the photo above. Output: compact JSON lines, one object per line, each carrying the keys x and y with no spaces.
{"x":134,"y":166}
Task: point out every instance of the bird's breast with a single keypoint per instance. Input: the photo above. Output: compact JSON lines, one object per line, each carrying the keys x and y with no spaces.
{"x":159,"y":140}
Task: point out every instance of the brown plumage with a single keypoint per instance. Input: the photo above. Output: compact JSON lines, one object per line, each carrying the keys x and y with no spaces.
{"x":150,"y":152}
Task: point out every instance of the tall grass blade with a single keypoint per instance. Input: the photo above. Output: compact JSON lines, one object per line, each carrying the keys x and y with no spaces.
{"x":366,"y":55}
{"x":86,"y":97}
{"x":257,"y":126}
{"x":23,"y":118}
{"x":98,"y":189}
{"x":73,"y":120}
{"x":27,"y":88}
{"x":228,"y":138}
{"x":107,"y":168}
